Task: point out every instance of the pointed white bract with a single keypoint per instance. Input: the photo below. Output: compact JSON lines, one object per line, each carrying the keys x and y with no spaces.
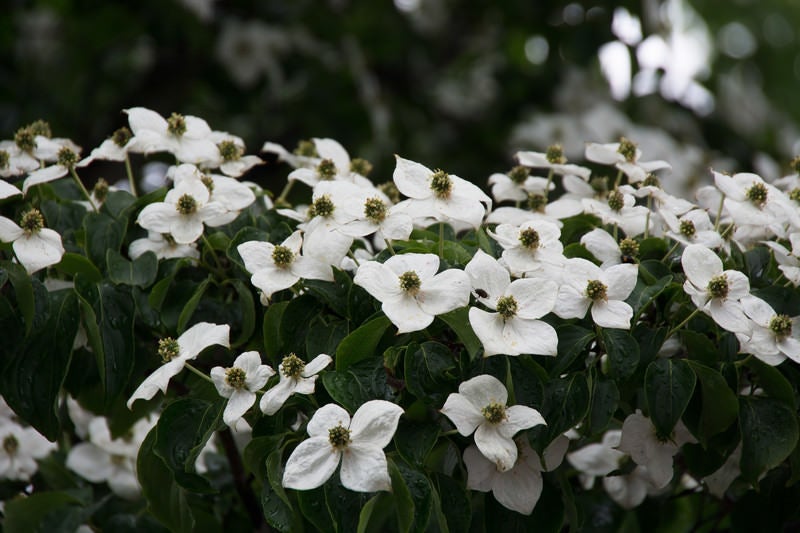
{"x":36,"y":247}
{"x":296,"y":377}
{"x":357,"y":444}
{"x":239,"y":384}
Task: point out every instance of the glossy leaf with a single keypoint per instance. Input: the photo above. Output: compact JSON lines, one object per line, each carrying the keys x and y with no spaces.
{"x":622,"y":350}
{"x":140,"y":272}
{"x":668,"y":387}
{"x":769,"y":434}
{"x":361,"y":343}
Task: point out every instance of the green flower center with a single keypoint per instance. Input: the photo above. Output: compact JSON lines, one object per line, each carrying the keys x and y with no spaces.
{"x":230,"y":151}
{"x":757,"y":194}
{"x":795,"y":194}
{"x":596,"y":290}
{"x":186,"y":205}
{"x":537,"y":202}
{"x":361,"y":166}
{"x":529,"y":238}
{"x":410,"y":282}
{"x":66,"y":157}
{"x":718,"y":286}
{"x":25,"y":139}
{"x":122,"y":136}
{"x":292,"y":366}
{"x":616,"y":201}
{"x":41,"y":127}
{"x":795,"y":164}
{"x":687,"y":228}
{"x":651,"y":181}
{"x":5,"y":157}
{"x":375,"y":210}
{"x":326,"y":169}
{"x":599,"y":184}
{"x":441,"y":184}
{"x":117,"y":459}
{"x":32,"y":221}
{"x":10,"y":444}
{"x":306,"y":149}
{"x":176,"y":124}
{"x":519,"y":174}
{"x":282,"y":256}
{"x":507,"y":307}
{"x":494,"y":413}
{"x":168,"y":349}
{"x":100,"y":190}
{"x":322,"y":207}
{"x":629,"y":247}
{"x":555,"y":154}
{"x":390,"y":190}
{"x":208,"y":181}
{"x":781,"y":326}
{"x":627,"y":149}
{"x":235,"y":377}
{"x":339,"y":437}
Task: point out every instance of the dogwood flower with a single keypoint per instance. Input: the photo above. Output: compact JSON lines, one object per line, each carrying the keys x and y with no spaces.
{"x":296,"y":376}
{"x":357,"y":443}
{"x":605,"y":247}
{"x":239,"y":384}
{"x":774,"y":336}
{"x":553,"y":160}
{"x":188,"y":138}
{"x":67,"y":158}
{"x":480,"y":407}
{"x":585,"y":285}
{"x":231,"y":194}
{"x":620,"y":209}
{"x":514,"y":328}
{"x":715,"y":291}
{"x":439,"y":195}
{"x":163,"y":245}
{"x":35,"y":246}
{"x":694,"y":227}
{"x":410,"y":290}
{"x":534,"y":245}
{"x":278,"y":267}
{"x":625,"y":156}
{"x":21,"y":447}
{"x":176,"y":353}
{"x":115,"y":148}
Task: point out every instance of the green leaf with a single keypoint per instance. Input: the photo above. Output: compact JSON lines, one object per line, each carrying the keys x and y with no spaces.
{"x":23,"y":290}
{"x":248,"y":311}
{"x":344,"y":505}
{"x":73,"y":264}
{"x":274,"y":502}
{"x":566,"y":402}
{"x":295,"y":323}
{"x":33,"y":375}
{"x":166,"y":499}
{"x":325,"y":337}
{"x":140,"y":272}
{"x":699,"y":347}
{"x":111,"y":310}
{"x":415,"y":440}
{"x":572,"y":341}
{"x":402,"y":498}
{"x":191,"y":305}
{"x":455,"y":503}
{"x":622,"y":350}
{"x":271,"y":330}
{"x":182,"y":430}
{"x":576,"y":249}
{"x":605,"y":400}
{"x":642,"y":295}
{"x":50,"y":512}
{"x":420,"y":491}
{"x":361,"y":343}
{"x":719,"y":406}
{"x":668,"y":387}
{"x":430,"y":371}
{"x":103,"y":233}
{"x":118,"y":204}
{"x":360,"y":383}
{"x":333,"y":293}
{"x":375,"y":513}
{"x":773,"y":382}
{"x":458,"y":320}
{"x":769,"y":434}
{"x":315,"y":509}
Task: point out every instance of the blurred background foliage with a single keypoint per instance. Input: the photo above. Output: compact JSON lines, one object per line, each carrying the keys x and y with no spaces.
{"x":454,"y":84}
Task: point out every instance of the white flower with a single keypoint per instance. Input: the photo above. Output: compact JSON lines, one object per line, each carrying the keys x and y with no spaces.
{"x":751,"y":201}
{"x":774,"y":336}
{"x":296,"y":376}
{"x":231,"y":194}
{"x":639,"y":439}
{"x":332,"y":162}
{"x":620,"y":209}
{"x":714,"y":291}
{"x":35,"y":246}
{"x":517,"y":489}
{"x":439,"y":195}
{"x":514,"y":328}
{"x":176,"y":353}
{"x":694,"y":227}
{"x":358,"y":443}
{"x":188,"y":138}
{"x":114,"y":148}
{"x":625,"y":156}
{"x":410,"y":290}
{"x":239,"y":384}
{"x":232,"y":161}
{"x":104,"y":459}
{"x":480,"y":407}
{"x":534,"y":245}
{"x":275,"y":268}
{"x":14,"y":161}
{"x":65,"y":158}
{"x":603,"y":246}
{"x":21,"y":446}
{"x":584,"y":284}
{"x":554,"y":161}
{"x":183,"y":213}
{"x":163,"y":245}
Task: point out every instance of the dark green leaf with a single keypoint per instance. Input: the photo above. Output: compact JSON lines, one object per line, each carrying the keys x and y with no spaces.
{"x":118,"y":204}
{"x":415,"y":440}
{"x":430,"y":371}
{"x":572,"y":341}
{"x":773,"y":382}
{"x":420,"y":490}
{"x":45,"y":512}
{"x":103,"y":233}
{"x":643,"y":295}
{"x":455,"y":503}
{"x":361,"y":343}
{"x":72,"y":264}
{"x":576,"y":249}
{"x":719,"y":406}
{"x":566,"y":402}
{"x":295,"y":323}
{"x":325,"y":337}
{"x":274,"y":503}
{"x":271,"y":330}
{"x":622,"y":350}
{"x":605,"y":399}
{"x":699,"y":347}
{"x":315,"y":509}
{"x":344,"y":505}
{"x":333,"y":293}
{"x":360,"y":383}
{"x":23,"y":290}
{"x":375,"y":513}
{"x":458,"y":320}
{"x":191,"y":305}
{"x":668,"y":387}
{"x":248,"y":322}
{"x":140,"y":272}
{"x":769,"y":434}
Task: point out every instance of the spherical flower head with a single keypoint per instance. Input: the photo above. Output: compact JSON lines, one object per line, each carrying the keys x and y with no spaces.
{"x":296,"y":376}
{"x":616,"y":201}
{"x":480,"y":407}
{"x":537,"y":202}
{"x":356,"y":443}
{"x":781,"y":326}
{"x":235,"y":377}
{"x":230,"y":151}
{"x":32,"y":221}
{"x":794,"y":194}
{"x":627,"y":149}
{"x":41,"y":127}
{"x":507,"y":306}
{"x":441,"y":184}
{"x":375,"y":210}
{"x":176,"y":124}
{"x":360,"y":166}
{"x":410,"y":282}
{"x":66,"y":157}
{"x":292,"y":366}
{"x":519,"y":174}
{"x":596,"y":290}
{"x":326,"y":169}
{"x":718,"y":286}
{"x":555,"y":154}
{"x":239,"y":384}
{"x":100,"y":190}
{"x":186,"y":205}
{"x":122,"y":136}
{"x":757,"y":194}
{"x":322,"y":207}
{"x":629,"y":247}
{"x":651,"y":181}
{"x":529,"y":238}
{"x":687,"y":228}
{"x":25,"y":139}
{"x":283,"y":256}
{"x":306,"y":148}
{"x":168,"y":349}
{"x":390,"y":190}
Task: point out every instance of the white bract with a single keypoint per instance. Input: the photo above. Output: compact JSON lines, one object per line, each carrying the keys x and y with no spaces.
{"x":188,"y":138}
{"x":410,"y":290}
{"x":358,"y":444}
{"x":176,"y":353}
{"x":625,"y":156}
{"x":35,"y":246}
{"x":480,"y":407}
{"x":296,"y":376}
{"x":774,"y":336}
{"x":21,"y":447}
{"x":231,"y":194}
{"x":513,"y":329}
{"x":239,"y":384}
{"x":585,"y":285}
{"x":534,"y":245}
{"x":715,"y":291}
